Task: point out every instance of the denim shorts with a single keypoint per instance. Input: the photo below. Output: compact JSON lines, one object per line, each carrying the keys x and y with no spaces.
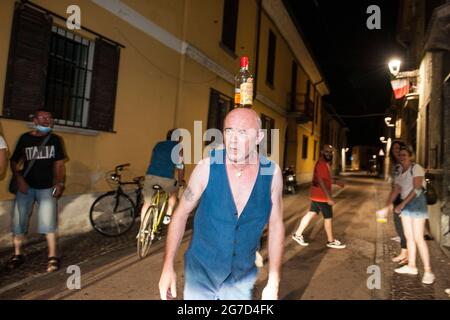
{"x":417,"y":208}
{"x":46,"y":211}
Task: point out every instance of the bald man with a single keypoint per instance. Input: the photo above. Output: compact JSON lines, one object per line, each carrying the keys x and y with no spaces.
{"x":237,"y":192}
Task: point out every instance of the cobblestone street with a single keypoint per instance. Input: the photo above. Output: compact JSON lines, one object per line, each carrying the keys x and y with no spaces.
{"x":111,"y":270}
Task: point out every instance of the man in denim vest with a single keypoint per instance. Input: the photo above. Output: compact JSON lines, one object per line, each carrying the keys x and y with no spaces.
{"x":237,"y":192}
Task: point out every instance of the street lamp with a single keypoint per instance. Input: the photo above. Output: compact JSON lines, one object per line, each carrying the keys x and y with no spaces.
{"x":383,"y":139}
{"x":394,"y":66}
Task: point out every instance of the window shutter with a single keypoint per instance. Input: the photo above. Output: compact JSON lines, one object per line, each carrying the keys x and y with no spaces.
{"x":27,"y":63}
{"x":104,"y":86}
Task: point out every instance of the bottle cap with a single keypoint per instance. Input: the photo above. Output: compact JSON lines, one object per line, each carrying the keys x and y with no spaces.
{"x":244,"y":61}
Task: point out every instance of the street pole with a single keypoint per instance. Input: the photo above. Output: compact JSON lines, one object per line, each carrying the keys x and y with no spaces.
{"x":387,"y":159}
{"x":343,"y":160}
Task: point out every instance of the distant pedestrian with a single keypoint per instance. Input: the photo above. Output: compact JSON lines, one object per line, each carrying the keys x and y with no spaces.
{"x":321,"y":200}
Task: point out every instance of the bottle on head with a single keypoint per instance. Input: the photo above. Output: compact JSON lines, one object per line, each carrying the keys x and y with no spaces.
{"x":243,"y":90}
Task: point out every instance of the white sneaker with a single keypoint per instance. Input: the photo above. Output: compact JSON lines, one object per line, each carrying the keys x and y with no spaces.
{"x":336,"y":244}
{"x":259,"y":261}
{"x":300,"y":240}
{"x":428,"y":277}
{"x":166,"y":220}
{"x":407,"y":270}
{"x":447,"y":291}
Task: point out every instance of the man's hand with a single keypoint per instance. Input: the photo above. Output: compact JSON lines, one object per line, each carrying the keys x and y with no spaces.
{"x":331,"y":202}
{"x":270,"y":292}
{"x":22,"y":184}
{"x":58,"y":190}
{"x":168,"y":284}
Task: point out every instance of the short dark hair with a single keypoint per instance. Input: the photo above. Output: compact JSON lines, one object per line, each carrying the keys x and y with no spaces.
{"x":34,"y":115}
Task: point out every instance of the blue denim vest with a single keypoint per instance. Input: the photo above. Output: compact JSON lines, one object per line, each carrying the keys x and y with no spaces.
{"x":222,"y":243}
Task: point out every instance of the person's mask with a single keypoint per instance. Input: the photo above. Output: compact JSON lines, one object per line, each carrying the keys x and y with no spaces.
{"x":43,"y":129}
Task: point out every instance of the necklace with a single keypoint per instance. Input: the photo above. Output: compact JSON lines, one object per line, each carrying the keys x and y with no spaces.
{"x":240,"y":171}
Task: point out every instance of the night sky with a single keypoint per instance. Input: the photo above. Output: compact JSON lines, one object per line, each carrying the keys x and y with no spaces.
{"x":352,"y":58}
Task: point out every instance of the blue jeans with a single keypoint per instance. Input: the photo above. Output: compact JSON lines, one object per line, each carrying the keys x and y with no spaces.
{"x":23,"y":206}
{"x":199,"y":286}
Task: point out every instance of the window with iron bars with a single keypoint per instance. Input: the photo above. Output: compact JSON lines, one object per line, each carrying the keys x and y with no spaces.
{"x":69,"y":77}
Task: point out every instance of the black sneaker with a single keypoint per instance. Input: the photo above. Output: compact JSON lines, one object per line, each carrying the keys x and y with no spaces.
{"x":15,"y":261}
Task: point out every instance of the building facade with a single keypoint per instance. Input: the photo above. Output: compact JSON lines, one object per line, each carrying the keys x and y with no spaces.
{"x":422,"y":115}
{"x":136,"y":69}
{"x":334,"y":132}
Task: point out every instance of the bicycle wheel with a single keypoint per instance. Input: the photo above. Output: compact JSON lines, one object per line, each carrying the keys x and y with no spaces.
{"x":112,"y":214}
{"x":145,"y":235}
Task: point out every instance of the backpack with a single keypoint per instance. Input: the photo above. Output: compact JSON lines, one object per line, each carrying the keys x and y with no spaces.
{"x":428,"y":190}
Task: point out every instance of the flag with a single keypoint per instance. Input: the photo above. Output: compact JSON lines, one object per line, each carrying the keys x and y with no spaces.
{"x":400,"y":87}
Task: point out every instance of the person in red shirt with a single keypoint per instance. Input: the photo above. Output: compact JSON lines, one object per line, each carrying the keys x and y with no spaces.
{"x":321,"y":200}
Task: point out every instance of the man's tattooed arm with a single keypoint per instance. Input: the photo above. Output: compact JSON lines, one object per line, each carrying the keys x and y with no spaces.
{"x":188,"y":194}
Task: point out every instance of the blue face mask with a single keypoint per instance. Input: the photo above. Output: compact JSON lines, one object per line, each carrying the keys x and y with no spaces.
{"x":43,"y":129}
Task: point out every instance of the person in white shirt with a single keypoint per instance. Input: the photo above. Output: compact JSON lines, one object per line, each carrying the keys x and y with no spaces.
{"x":3,"y":155}
{"x":410,"y":184}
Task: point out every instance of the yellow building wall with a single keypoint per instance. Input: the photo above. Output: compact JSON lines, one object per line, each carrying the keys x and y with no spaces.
{"x":204,"y":31}
{"x":145,"y":103}
{"x":283,"y":62}
{"x":159,"y":89}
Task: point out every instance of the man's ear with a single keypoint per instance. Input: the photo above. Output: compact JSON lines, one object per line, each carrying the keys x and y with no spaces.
{"x":260,"y":136}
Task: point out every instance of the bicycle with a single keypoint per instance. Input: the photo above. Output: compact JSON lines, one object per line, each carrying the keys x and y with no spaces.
{"x":151,"y":226}
{"x":113,"y":213}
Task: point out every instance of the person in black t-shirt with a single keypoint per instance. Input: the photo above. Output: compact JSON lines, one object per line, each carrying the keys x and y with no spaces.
{"x":42,"y":152}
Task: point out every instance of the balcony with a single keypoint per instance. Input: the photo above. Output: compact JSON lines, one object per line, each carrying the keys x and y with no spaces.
{"x":301,"y":108}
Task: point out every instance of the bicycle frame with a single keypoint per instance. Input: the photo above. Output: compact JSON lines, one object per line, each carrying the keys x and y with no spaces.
{"x":160,"y":201}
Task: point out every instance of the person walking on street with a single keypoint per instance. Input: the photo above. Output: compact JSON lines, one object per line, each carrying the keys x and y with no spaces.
{"x":238,"y":191}
{"x":43,"y":159}
{"x":414,"y":212}
{"x":321,"y":200}
{"x":161,"y":171}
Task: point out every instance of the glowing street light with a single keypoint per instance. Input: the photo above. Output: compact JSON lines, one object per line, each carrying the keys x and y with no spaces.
{"x":383,"y":139}
{"x":394,"y":66}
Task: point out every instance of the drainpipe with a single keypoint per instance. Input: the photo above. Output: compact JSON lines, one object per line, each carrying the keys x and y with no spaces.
{"x":258,"y":36}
